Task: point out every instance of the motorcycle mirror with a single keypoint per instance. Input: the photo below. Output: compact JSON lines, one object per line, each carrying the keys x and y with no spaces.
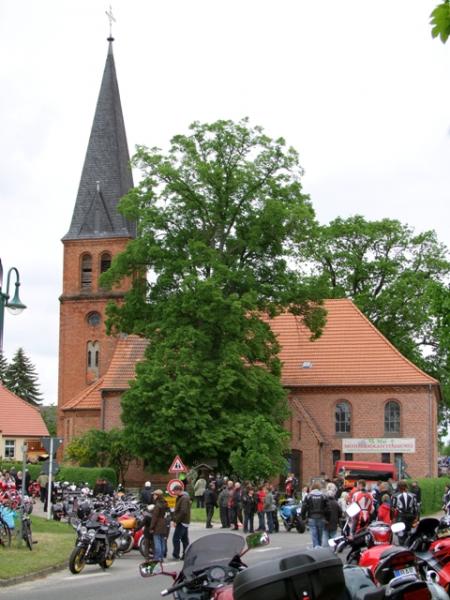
{"x":150,"y":569}
{"x":397,"y":527}
{"x":353,"y":509}
{"x":255,"y":540}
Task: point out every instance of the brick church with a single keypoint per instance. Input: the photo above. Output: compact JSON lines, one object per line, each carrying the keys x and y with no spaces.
{"x":352,"y":394}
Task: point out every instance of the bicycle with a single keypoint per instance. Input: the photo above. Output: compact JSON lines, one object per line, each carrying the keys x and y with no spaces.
{"x":25,"y":511}
{"x":5,"y":533}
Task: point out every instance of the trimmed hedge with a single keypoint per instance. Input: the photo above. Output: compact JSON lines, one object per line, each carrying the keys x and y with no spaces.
{"x":87,"y":475}
{"x":432,"y":493}
{"x":33,"y":469}
{"x":72,"y":474}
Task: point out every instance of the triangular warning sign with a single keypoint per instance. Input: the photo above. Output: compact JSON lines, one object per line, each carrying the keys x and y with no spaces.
{"x":177,"y":465}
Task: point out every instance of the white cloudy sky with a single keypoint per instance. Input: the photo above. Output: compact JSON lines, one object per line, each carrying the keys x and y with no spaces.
{"x":358,"y":87}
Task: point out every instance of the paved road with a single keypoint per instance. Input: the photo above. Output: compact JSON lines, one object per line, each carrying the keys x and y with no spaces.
{"x":123,"y":582}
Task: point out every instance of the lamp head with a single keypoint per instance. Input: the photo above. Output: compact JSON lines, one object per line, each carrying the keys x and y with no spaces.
{"x":15,"y":306}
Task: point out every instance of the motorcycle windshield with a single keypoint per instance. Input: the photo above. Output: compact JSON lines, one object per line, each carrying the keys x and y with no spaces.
{"x":214,"y":549}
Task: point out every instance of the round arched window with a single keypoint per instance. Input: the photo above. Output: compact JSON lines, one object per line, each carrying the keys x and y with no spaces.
{"x":94,"y":319}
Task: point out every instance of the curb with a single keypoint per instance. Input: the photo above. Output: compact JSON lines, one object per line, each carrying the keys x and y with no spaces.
{"x":34,"y":575}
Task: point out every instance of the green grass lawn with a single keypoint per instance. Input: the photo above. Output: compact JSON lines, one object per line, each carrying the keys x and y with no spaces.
{"x":199,"y":514}
{"x":55,"y":542}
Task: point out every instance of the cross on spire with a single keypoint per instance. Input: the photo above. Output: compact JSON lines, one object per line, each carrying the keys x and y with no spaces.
{"x":111,"y":18}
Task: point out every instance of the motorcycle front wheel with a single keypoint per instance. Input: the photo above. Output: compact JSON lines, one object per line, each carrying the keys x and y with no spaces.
{"x":77,"y":560}
{"x":107,"y":562}
{"x":144,"y":547}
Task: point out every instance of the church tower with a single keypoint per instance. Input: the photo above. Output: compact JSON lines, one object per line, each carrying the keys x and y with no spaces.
{"x":97,"y":233}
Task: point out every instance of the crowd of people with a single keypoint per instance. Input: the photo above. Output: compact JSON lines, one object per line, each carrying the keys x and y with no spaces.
{"x":13,"y":480}
{"x":325,"y":505}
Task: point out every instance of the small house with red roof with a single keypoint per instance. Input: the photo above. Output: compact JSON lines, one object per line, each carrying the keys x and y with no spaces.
{"x":20,"y":423}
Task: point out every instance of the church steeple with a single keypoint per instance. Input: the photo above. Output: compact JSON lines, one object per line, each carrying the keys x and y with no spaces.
{"x":106,"y":174}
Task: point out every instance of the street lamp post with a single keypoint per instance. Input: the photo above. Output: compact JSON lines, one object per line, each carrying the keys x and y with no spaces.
{"x":14,"y":306}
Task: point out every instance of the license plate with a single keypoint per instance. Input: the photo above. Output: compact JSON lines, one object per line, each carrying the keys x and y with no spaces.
{"x":406,"y":571}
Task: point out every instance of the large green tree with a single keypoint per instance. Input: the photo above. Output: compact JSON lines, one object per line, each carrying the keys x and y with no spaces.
{"x":398,"y":278}
{"x":3,"y":368}
{"x":21,"y":378}
{"x":217,"y":216}
{"x":440,"y":21}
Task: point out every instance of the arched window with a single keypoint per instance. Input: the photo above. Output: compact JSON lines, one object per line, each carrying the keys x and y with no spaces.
{"x":392,"y":417}
{"x":343,"y":417}
{"x":86,"y":271}
{"x":93,"y":359}
{"x":105,"y":262}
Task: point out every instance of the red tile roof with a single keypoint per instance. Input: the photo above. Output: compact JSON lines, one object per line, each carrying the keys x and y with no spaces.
{"x":129,"y":350}
{"x":89,"y":398}
{"x":18,"y":418}
{"x":351,"y":351}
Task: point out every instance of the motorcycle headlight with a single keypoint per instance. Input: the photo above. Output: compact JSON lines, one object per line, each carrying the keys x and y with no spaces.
{"x":91,"y":533}
{"x":83,"y":530}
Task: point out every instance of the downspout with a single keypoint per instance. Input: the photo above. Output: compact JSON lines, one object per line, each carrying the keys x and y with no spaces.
{"x":430,"y":431}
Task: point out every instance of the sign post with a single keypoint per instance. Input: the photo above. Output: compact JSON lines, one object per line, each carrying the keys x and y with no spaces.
{"x":24,"y":466}
{"x":51,"y":445}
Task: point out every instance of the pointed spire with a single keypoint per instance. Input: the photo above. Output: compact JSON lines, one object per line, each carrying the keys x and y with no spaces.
{"x":106,"y":174}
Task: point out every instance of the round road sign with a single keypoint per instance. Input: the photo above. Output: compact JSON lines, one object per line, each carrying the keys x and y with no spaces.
{"x":172,"y":483}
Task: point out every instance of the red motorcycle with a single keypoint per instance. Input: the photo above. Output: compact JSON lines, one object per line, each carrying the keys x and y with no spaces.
{"x":210,"y":566}
{"x":390,"y":565}
{"x":430,"y":540}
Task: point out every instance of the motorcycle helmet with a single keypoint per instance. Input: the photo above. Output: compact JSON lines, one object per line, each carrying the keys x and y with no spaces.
{"x":443,"y":529}
{"x":83,"y":510}
{"x":381,"y":533}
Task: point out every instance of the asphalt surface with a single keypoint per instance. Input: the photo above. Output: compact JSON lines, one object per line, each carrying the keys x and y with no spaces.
{"x":123,"y":581}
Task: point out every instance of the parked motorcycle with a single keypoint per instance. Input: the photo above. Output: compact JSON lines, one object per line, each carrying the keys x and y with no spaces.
{"x":210,"y":565}
{"x":290,"y":515}
{"x":96,"y":544}
{"x":372,"y":549}
{"x":430,"y":540}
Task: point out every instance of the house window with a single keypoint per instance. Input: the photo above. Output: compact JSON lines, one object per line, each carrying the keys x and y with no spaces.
{"x":299,"y":430}
{"x":342,"y":417}
{"x":385,"y":457}
{"x":105,"y":262}
{"x":10,"y":448}
{"x":392,"y":417}
{"x":348,"y":456}
{"x":86,"y":271}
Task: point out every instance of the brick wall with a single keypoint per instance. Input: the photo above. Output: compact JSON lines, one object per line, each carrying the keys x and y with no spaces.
{"x":418,"y":420}
{"x":75,"y":305}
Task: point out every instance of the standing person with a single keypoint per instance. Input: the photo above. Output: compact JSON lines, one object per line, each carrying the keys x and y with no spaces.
{"x":210,"y":503}
{"x":158,"y":525}
{"x":415,"y":489}
{"x":199,"y":492}
{"x":181,"y":518}
{"x":260,"y":495}
{"x":335,"y":515}
{"x":404,"y":508}
{"x":269,"y":507}
{"x":42,"y":481}
{"x":364,"y":500}
{"x":235,"y":504}
{"x":249,"y":508}
{"x":276,"y":501}
{"x":146,"y":495}
{"x":290,"y":486}
{"x":316,"y":509}
{"x":384,"y":510}
{"x":223,"y":507}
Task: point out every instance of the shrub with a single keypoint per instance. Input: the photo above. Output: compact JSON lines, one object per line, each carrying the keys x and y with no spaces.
{"x":86,"y":475}
{"x":72,"y":474}
{"x":432,"y":493}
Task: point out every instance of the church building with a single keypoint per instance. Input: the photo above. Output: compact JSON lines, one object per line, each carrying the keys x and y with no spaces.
{"x":352,"y":394}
